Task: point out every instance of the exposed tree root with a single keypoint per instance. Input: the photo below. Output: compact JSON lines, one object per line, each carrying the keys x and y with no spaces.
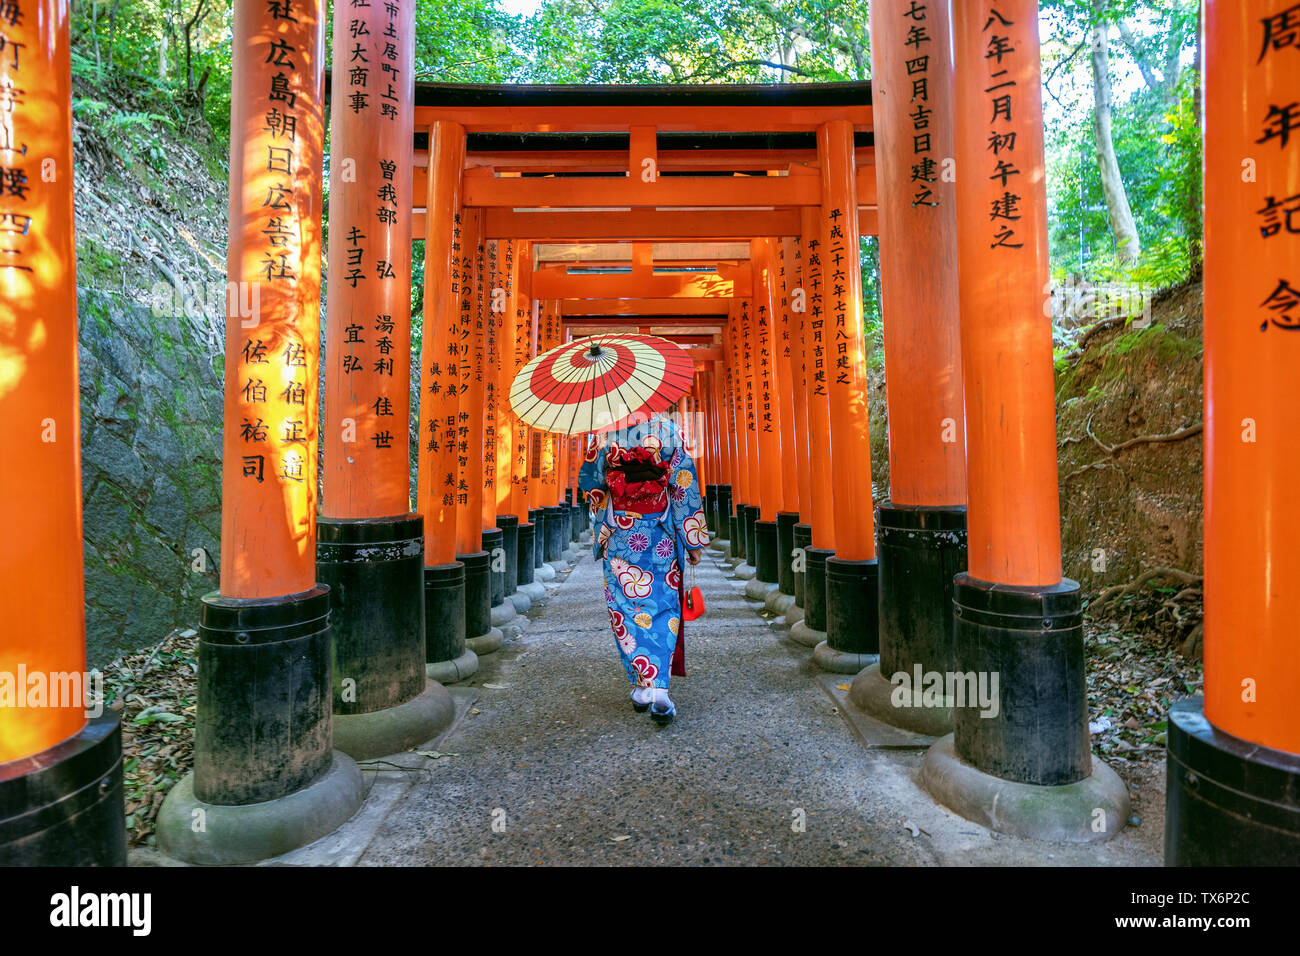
{"x":1191,"y":582}
{"x":1114,"y":450}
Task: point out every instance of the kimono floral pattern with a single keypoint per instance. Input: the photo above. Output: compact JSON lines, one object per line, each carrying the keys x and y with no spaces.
{"x":644,"y":554}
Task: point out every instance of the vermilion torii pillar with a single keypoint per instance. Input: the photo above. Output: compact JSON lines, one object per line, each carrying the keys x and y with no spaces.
{"x":922,"y":527}
{"x":443,"y":349}
{"x":758,"y":485}
{"x":811,"y":631}
{"x":55,"y":746}
{"x":266,"y":777}
{"x":794,"y":416}
{"x":508,"y":431}
{"x":501,"y":612}
{"x":723,"y":425}
{"x":553,"y":522}
{"x":852,"y":575}
{"x":475,"y":310}
{"x":370,"y":546}
{"x":1019,"y":759}
{"x":1233,"y":794}
{"x":767,"y":417}
{"x":523,"y":485}
{"x":737,"y":375}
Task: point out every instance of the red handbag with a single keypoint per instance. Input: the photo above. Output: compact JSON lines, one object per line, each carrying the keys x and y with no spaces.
{"x":693,"y":603}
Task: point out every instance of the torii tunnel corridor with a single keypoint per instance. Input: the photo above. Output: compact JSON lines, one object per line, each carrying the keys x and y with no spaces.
{"x":866,"y":668}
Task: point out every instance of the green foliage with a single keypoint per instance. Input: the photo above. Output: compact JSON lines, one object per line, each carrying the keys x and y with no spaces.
{"x":1157,"y":139}
{"x":135,"y":84}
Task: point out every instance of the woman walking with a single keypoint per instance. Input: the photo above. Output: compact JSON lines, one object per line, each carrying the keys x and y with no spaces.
{"x":645,"y":501}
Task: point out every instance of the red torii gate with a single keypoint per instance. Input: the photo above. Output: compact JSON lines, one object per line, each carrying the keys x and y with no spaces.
{"x":791,"y":171}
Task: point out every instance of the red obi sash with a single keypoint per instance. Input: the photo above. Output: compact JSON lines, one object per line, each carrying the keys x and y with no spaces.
{"x":638,"y":481}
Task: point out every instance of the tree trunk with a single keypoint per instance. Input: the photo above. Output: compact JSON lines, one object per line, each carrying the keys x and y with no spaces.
{"x":112,"y":32}
{"x":94,"y":34}
{"x":1128,"y":245}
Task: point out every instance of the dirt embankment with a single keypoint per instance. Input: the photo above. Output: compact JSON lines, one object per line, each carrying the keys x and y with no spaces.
{"x":1129,"y":432}
{"x":1129,"y":415}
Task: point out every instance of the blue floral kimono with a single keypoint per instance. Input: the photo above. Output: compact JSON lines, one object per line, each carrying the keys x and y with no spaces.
{"x":644,"y":554}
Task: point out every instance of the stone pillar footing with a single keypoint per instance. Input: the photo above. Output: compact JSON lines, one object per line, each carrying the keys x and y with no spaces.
{"x":778,"y":602}
{"x":455,"y":670}
{"x":395,"y":729}
{"x":487,"y":643}
{"x":757,"y":590}
{"x":1090,"y":810}
{"x":801,"y":633}
{"x":841,"y":662}
{"x":245,"y":833}
{"x":911,"y":705}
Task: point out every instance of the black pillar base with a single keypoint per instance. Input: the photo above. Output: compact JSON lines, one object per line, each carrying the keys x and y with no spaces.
{"x":724,"y":514}
{"x":751,"y":534}
{"x":554,"y":521}
{"x":814,"y":587}
{"x":738,"y":533}
{"x":264,"y":722}
{"x":374,"y":569}
{"x":711,"y":508}
{"x":802,"y":541}
{"x":478,"y":593}
{"x":63,"y":806}
{"x":509,"y":525}
{"x":765,"y":552}
{"x":1228,"y":802}
{"x":921,"y":551}
{"x":785,"y":522}
{"x":494,"y":545}
{"x":1031,"y":640}
{"x":570,"y":523}
{"x":538,"y":518}
{"x":444,"y":613}
{"x":266,"y":778}
{"x":852,"y":617}
{"x":527,"y":553}
{"x":852,"y":605}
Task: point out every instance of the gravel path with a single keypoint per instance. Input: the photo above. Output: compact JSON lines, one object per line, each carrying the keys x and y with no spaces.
{"x":553,"y":766}
{"x":582,"y":778}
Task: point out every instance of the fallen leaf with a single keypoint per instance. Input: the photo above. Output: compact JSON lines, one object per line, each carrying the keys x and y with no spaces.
{"x":496,"y":686}
{"x":620,"y":839}
{"x":841,"y":686}
{"x":434,"y":754}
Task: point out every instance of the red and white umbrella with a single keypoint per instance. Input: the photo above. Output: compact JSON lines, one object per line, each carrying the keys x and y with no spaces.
{"x":601,"y":382}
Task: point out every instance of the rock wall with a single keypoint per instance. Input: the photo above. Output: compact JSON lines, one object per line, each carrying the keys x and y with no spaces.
{"x":151,"y":451}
